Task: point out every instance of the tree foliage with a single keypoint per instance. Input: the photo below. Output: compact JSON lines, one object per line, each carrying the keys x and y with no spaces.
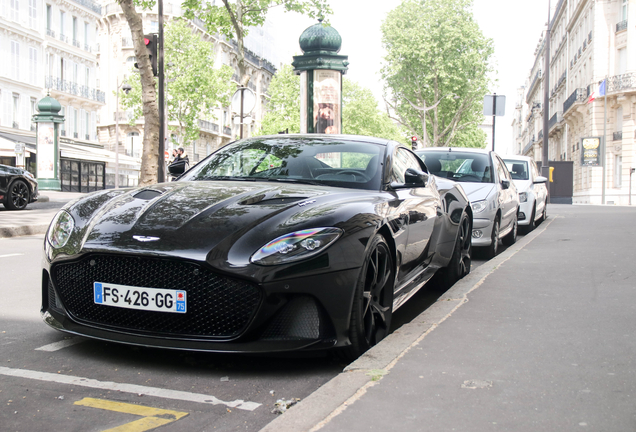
{"x":283,"y":106}
{"x":436,"y":70}
{"x":360,"y":112}
{"x":194,"y":86}
{"x":233,"y":18}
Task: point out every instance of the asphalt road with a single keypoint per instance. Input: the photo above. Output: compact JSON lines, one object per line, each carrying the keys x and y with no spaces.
{"x":116,"y":384}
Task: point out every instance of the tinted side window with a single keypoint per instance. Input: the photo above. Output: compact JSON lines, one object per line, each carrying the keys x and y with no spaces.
{"x":502,"y":171}
{"x":403,"y":160}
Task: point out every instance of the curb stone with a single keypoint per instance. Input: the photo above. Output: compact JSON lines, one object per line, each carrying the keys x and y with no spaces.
{"x":316,"y":410}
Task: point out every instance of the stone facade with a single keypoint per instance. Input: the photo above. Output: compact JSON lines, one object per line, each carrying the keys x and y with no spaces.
{"x":591,"y":41}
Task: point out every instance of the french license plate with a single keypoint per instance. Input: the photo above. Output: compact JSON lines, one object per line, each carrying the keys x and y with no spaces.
{"x":130,"y":297}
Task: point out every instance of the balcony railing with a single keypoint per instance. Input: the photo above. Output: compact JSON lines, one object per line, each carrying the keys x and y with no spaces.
{"x":63,"y":38}
{"x":621,"y":26}
{"x":87,"y":47}
{"x":76,"y":43}
{"x":75,"y":135}
{"x":621,"y":82}
{"x":204,"y":124}
{"x":126,"y":42}
{"x":87,"y":137}
{"x":589,"y":37}
{"x":50,"y":32}
{"x":90,"y":5}
{"x":577,"y":95}
{"x":63,"y":133}
{"x":556,"y":118}
{"x":537,"y":77}
{"x":617,"y":136}
{"x":540,"y":137}
{"x":528,"y":146}
{"x":74,"y":89}
{"x":227,"y":130}
{"x":16,"y":125}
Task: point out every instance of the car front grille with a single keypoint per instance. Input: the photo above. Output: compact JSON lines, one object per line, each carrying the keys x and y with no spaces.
{"x":218,"y":306}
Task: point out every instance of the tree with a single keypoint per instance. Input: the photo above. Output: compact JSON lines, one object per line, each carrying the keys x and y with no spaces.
{"x":360,"y":112}
{"x":194,"y":86}
{"x":436,"y":70}
{"x":150,"y":152}
{"x":361,"y":115}
{"x":234,"y":18}
{"x":283,"y":106}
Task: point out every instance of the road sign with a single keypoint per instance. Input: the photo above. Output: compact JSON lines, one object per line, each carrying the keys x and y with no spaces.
{"x":496,"y":103}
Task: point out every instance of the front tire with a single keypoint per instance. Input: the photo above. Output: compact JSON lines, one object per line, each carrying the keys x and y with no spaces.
{"x":18,"y":196}
{"x":491,"y":251}
{"x":372,"y":308}
{"x":511,"y":237}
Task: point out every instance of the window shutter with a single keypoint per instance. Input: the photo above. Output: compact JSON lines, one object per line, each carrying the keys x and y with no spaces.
{"x":93,"y":130}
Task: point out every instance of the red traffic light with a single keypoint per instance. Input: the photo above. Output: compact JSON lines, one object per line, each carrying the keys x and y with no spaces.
{"x":413,"y":138}
{"x":146,"y":41}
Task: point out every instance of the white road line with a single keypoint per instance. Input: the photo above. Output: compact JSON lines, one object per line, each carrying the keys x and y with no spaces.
{"x":56,"y":346}
{"x":10,"y":255}
{"x":127,"y":388}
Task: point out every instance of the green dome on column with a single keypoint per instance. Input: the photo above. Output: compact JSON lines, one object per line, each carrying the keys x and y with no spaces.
{"x":320,"y":37}
{"x":48,"y":105}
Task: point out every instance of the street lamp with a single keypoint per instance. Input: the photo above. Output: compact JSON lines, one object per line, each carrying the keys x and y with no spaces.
{"x":126,"y":88}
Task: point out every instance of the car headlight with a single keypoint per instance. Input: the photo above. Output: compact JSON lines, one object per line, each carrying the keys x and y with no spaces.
{"x":60,"y":229}
{"x":296,"y":246}
{"x":523,"y":196}
{"x":29,"y":175}
{"x":479,"y":206}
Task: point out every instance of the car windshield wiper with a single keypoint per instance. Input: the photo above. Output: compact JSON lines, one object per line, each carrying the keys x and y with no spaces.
{"x":226,"y":178}
{"x":294,"y":180}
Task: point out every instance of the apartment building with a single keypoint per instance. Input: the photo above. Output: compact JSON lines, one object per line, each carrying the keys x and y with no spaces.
{"x":591,"y":42}
{"x":116,"y":58}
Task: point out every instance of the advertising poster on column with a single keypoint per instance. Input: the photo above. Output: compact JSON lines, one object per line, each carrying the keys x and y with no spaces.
{"x":46,"y":151}
{"x":591,"y":151}
{"x":327,"y":110}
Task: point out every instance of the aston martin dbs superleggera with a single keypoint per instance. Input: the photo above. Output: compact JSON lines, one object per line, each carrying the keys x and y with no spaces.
{"x":276,"y":243}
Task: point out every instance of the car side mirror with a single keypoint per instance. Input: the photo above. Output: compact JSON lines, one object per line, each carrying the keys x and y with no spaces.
{"x":415,"y":178}
{"x":505,"y":184}
{"x":540,"y":179}
{"x":177,"y":168}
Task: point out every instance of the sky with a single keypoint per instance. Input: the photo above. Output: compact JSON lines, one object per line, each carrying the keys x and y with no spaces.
{"x":514,"y":25}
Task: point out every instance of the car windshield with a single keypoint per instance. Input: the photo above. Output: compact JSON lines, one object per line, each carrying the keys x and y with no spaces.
{"x":458,"y":166}
{"x":518,"y":169}
{"x":319,"y":161}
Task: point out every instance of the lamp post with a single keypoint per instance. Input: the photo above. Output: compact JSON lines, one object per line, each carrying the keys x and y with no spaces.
{"x":126,"y":88}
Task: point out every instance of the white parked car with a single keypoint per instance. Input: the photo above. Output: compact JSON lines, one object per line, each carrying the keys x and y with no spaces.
{"x":493,"y":196}
{"x":533,"y":192}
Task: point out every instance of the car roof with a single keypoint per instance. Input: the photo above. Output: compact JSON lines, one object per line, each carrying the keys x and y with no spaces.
{"x":452,"y":149}
{"x":518,"y":158}
{"x":343,"y":137}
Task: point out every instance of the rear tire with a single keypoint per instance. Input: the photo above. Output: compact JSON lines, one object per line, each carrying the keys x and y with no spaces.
{"x":18,"y":196}
{"x":372,"y":308}
{"x":459,"y":265}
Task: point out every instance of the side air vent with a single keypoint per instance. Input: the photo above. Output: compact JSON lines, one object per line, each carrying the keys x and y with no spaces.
{"x":272,"y":201}
{"x":147,"y":194}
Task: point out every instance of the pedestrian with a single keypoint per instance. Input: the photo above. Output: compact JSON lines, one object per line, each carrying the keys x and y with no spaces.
{"x":180,"y":164}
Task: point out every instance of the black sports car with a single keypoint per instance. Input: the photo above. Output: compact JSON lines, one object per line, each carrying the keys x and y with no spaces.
{"x":18,"y":187}
{"x":277,"y":243}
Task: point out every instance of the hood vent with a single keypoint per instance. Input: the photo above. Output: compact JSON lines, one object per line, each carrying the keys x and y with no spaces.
{"x":272,"y":201}
{"x":147,"y":194}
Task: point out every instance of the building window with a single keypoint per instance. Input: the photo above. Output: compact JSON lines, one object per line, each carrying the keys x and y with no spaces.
{"x":154,"y":26}
{"x":130,"y":63}
{"x":15,"y":59}
{"x":618,"y":170}
{"x":86,"y":40}
{"x":624,"y":10}
{"x":33,"y":62}
{"x":15,"y":10}
{"x":62,"y":19}
{"x":49,"y":16}
{"x":33,"y":14}
{"x":16,"y":110}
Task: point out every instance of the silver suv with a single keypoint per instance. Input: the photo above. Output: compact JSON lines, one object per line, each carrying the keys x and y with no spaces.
{"x":488,"y":184}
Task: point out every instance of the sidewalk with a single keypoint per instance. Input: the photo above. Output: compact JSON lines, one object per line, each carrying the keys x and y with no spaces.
{"x":36,"y":217}
{"x":541,"y":338}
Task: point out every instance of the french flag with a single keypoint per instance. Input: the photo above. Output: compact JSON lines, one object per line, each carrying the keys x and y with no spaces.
{"x":599,"y":93}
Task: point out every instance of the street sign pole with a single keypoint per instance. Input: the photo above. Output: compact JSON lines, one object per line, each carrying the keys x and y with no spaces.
{"x":494,"y":110}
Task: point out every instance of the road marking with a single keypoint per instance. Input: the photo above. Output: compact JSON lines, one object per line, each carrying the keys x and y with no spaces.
{"x":56,"y":346}
{"x":127,"y":388}
{"x":152,"y":417}
{"x":11,"y":255}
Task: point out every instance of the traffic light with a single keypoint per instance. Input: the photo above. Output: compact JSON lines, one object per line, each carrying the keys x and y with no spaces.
{"x":151,"y":46}
{"x":414,"y":142}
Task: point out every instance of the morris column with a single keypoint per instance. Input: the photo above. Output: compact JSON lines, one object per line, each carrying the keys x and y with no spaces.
{"x":320,"y":69}
{"x":48,"y":155}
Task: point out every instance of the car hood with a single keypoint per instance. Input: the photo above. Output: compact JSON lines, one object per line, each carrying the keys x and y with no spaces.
{"x":191,"y":218}
{"x":477,"y":191}
{"x":523,"y":185}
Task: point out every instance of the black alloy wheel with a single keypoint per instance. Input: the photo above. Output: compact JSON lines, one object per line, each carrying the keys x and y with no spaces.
{"x":459,"y":265}
{"x":491,"y":251}
{"x":373,"y":300}
{"x":511,"y":237}
{"x":18,"y":196}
